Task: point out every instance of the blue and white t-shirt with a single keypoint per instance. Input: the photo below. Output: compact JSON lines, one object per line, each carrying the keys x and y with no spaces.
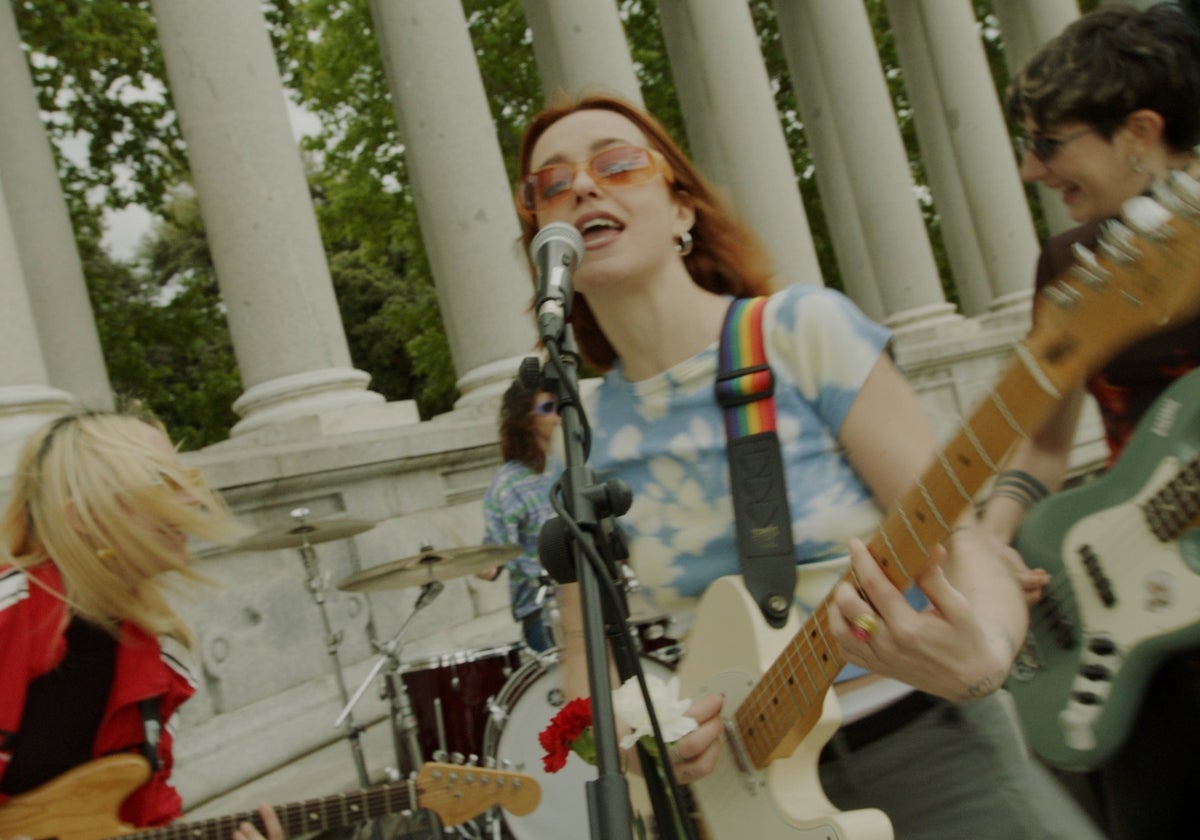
{"x":665,"y":437}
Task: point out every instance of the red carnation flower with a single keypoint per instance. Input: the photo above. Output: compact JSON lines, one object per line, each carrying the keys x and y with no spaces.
{"x":569,"y":730}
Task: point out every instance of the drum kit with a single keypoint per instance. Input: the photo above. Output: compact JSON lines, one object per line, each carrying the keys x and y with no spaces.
{"x":477,"y":706}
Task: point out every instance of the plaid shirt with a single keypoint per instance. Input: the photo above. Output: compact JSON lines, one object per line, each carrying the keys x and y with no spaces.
{"x":516,"y":505}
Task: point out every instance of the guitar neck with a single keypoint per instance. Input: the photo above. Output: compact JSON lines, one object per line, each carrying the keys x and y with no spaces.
{"x":296,"y":818}
{"x":1176,"y":507}
{"x":786,"y":703}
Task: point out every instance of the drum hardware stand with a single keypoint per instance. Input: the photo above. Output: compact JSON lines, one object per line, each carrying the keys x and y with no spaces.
{"x":318,"y":585}
{"x":404,"y":719}
{"x":547,"y":601}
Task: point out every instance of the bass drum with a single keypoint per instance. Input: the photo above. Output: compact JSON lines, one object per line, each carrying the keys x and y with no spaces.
{"x":531,"y":697}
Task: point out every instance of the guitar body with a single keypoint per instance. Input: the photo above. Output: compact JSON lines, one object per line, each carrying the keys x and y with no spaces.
{"x":81,"y":804}
{"x":730,"y":648}
{"x":1079,"y":680}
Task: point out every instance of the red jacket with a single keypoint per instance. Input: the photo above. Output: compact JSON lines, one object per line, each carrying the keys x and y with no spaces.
{"x":32,"y":642}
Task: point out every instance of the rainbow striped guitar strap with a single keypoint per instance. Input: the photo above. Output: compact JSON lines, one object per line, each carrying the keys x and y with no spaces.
{"x":745,"y":391}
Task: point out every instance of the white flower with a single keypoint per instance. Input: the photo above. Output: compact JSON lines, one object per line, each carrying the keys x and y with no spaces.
{"x":628,"y":706}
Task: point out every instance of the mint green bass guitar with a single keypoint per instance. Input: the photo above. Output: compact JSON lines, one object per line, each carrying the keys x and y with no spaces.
{"x":1123,"y":553}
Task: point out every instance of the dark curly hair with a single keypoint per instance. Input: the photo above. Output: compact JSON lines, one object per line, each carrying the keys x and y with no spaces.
{"x":726,"y":258}
{"x":1111,"y":62}
{"x":518,"y":439}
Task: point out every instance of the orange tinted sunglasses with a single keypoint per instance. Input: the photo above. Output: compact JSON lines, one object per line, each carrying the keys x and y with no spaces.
{"x":615,"y":166}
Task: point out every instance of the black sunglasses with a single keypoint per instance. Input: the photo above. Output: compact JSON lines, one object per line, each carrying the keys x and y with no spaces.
{"x":1045,"y":148}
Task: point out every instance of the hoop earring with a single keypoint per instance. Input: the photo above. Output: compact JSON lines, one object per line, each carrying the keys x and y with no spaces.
{"x":1135,"y":163}
{"x":685,"y":243}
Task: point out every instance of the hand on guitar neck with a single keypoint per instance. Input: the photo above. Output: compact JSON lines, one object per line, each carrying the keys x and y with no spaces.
{"x":247,"y":831}
{"x":958,"y":648}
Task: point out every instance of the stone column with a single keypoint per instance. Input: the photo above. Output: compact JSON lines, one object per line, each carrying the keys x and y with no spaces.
{"x":967,"y":264}
{"x":847,"y":229}
{"x":26,"y":398}
{"x":463,"y":197}
{"x":862,"y":168}
{"x":580,"y":48}
{"x":734,"y":128}
{"x":48,"y":259}
{"x":1026,"y":25}
{"x":283,"y":316}
{"x":964,"y":98}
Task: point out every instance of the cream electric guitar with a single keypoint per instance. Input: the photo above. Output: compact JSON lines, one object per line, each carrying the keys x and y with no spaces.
{"x":780,"y":712}
{"x":82,"y":804}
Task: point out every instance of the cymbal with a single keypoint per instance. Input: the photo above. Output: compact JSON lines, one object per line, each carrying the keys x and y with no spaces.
{"x":299,"y":533}
{"x":429,"y":565}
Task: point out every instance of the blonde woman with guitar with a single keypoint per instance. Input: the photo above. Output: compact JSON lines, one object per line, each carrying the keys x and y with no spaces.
{"x":663,"y":261}
{"x":1108,"y":107}
{"x":92,"y":654}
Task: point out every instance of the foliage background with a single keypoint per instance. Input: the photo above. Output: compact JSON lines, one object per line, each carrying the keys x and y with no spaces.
{"x":99,"y":75}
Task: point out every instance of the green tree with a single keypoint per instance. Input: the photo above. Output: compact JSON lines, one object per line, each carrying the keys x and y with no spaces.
{"x":101,"y":83}
{"x":163,"y":330}
{"x":100,"y":80}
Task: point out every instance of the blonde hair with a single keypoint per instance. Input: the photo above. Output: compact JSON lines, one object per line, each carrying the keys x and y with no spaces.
{"x":96,"y":496}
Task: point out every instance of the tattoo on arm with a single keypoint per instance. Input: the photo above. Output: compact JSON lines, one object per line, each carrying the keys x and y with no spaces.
{"x":986,"y":685}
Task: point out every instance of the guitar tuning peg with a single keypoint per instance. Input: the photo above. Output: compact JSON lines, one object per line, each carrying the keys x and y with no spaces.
{"x":1186,"y":190}
{"x":489,"y":762}
{"x":457,"y":758}
{"x":1062,"y":295}
{"x":473,"y":760}
{"x":1118,"y":242}
{"x":1147,"y":217}
{"x":1087,"y":268}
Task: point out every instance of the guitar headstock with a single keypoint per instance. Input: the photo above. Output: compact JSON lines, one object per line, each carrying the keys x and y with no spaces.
{"x":1144,"y":278}
{"x":456,"y":793}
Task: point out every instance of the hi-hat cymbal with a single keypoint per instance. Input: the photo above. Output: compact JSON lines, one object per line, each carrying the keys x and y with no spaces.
{"x":299,"y":533}
{"x":429,"y":565}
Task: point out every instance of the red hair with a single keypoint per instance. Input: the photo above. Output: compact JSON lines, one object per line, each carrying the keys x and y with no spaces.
{"x":726,"y":258}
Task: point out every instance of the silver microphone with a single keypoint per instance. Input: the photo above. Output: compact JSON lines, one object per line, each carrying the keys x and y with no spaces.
{"x":556,"y":251}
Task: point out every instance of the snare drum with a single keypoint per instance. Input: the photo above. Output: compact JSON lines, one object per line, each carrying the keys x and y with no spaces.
{"x":522,"y":710}
{"x":450,"y":693}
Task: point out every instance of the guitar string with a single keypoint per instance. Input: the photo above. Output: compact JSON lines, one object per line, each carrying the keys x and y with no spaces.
{"x":297,"y":817}
{"x":1061,"y":592}
{"x":1061,"y":601}
{"x":752,"y":712}
{"x":754,"y":721}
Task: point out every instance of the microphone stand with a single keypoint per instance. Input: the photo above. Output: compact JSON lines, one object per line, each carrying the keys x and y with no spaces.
{"x":610,"y":813}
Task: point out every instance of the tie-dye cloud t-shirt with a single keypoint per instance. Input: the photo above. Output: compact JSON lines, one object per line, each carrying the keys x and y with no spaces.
{"x":665,"y":437}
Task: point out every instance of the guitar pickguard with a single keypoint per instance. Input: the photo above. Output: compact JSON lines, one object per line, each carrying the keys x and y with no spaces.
{"x":730,"y":647}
